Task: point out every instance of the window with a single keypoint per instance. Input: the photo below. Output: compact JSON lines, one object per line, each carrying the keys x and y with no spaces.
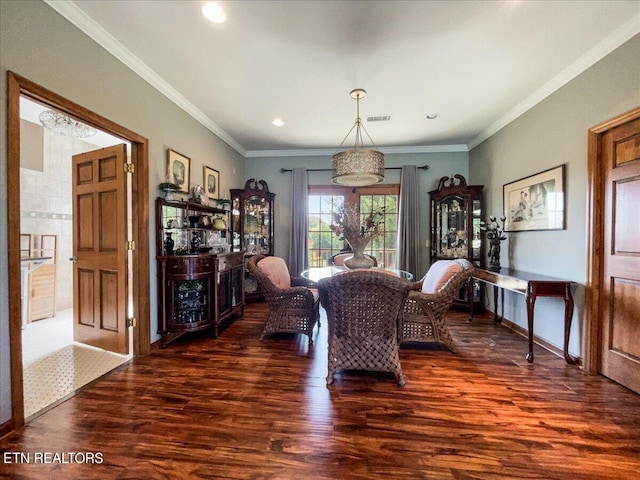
{"x":323,"y":201}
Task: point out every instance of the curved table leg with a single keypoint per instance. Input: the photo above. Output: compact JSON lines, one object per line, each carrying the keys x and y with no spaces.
{"x":497,"y":318}
{"x":531,"y":301}
{"x":568,"y":315}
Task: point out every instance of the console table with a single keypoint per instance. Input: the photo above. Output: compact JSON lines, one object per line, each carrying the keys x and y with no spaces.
{"x":532,"y":286}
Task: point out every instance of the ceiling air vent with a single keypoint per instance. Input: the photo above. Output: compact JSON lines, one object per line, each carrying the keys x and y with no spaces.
{"x":379,"y":118}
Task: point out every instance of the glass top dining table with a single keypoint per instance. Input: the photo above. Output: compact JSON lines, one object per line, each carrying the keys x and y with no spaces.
{"x":317,"y":273}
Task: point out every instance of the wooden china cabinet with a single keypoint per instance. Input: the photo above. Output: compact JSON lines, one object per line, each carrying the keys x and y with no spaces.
{"x":456,"y":213}
{"x":252,"y":226}
{"x":200,"y":280}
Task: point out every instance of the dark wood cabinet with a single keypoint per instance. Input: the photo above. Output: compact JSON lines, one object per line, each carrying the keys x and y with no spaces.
{"x":230,"y":285}
{"x":456,"y":213}
{"x":197,"y":289}
{"x":252,"y":225}
{"x":252,"y":218}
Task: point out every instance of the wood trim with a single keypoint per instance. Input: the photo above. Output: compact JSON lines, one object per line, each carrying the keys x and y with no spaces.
{"x":6,"y":428}
{"x":16,"y":86}
{"x":13,"y":248}
{"x":595,"y":239}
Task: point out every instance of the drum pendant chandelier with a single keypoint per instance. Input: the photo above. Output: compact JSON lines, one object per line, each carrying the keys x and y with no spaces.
{"x":359,"y":166}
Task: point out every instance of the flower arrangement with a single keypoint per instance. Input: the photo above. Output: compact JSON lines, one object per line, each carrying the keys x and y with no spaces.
{"x":348,"y":226}
{"x":493,"y":229}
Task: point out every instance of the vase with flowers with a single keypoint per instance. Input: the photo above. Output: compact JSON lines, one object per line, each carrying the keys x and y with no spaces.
{"x":357,"y":230}
{"x":495,"y":235}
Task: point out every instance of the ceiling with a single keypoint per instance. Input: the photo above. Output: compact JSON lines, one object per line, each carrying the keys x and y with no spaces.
{"x":477,"y":64}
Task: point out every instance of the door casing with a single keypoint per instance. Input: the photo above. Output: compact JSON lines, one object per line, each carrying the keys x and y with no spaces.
{"x":17,"y":86}
{"x":595,"y":240}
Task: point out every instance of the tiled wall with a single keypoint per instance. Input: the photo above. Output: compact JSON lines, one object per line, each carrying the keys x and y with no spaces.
{"x":45,"y":203}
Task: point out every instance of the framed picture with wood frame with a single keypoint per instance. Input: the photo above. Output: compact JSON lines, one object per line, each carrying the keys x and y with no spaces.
{"x":211,"y":182}
{"x":536,"y":202}
{"x":178,"y":169}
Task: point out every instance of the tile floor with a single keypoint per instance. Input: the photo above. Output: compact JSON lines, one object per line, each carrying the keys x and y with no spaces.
{"x":54,"y":366}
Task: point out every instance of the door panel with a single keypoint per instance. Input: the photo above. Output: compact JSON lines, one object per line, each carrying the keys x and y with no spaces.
{"x":84,"y":297}
{"x":100,"y":236}
{"x":620,"y":342}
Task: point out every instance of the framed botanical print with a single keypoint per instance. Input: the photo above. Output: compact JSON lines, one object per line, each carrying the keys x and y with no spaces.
{"x":211,"y":182}
{"x":536,"y":202}
{"x":178,"y":169}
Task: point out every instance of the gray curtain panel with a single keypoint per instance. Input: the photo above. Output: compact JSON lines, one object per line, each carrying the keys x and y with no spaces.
{"x":299,"y":221}
{"x":408,"y":221}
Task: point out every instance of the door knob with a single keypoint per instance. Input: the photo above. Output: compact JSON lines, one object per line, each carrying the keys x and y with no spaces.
{"x":73,"y":259}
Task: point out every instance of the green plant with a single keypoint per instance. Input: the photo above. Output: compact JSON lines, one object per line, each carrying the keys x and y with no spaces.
{"x":168,"y":186}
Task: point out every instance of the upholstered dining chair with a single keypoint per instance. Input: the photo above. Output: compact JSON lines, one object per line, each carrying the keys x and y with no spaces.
{"x":423,"y":316}
{"x":293,"y":307}
{"x":362,"y":311}
{"x":339,"y":258}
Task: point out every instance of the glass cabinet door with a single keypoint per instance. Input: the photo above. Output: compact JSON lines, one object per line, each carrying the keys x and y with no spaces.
{"x":257,"y":218}
{"x":252,"y":218}
{"x":451,"y":227}
{"x":476,"y":241}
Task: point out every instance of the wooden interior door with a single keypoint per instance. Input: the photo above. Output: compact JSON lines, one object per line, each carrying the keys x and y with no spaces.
{"x":620,"y":309}
{"x":100,"y":248}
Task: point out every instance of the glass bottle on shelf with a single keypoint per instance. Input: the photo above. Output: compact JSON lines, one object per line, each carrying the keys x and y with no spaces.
{"x":168,"y":244}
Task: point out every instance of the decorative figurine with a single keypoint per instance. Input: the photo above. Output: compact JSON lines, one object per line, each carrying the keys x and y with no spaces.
{"x":495,"y":234}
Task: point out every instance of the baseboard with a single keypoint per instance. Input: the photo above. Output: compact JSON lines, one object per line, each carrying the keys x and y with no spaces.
{"x":7,"y":428}
{"x":157,"y":345}
{"x":537,"y":340}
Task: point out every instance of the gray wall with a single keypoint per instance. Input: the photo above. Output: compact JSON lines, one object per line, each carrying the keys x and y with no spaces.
{"x":39,"y":44}
{"x":552,"y":133}
{"x":268,"y":169}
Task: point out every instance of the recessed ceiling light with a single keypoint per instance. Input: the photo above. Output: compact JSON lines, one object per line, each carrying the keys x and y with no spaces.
{"x":278,"y":122}
{"x":213,"y":12}
{"x":431,"y":116}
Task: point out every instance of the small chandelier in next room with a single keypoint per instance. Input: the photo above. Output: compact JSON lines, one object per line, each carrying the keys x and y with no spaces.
{"x":64,"y":125}
{"x":359,"y":166}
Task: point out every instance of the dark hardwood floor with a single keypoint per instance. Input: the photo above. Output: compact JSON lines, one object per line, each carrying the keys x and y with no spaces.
{"x":237,"y":408}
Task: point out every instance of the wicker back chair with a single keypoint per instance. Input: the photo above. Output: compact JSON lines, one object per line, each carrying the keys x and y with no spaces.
{"x":362,"y":311}
{"x":293,"y":308}
{"x":423,"y":315}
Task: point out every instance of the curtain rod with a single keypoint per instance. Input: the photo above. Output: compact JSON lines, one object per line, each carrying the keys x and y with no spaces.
{"x":284,"y":170}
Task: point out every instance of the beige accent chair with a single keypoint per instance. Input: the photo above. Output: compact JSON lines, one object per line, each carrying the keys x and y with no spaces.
{"x":423,"y":316}
{"x":293,"y":307}
{"x":362,"y":311}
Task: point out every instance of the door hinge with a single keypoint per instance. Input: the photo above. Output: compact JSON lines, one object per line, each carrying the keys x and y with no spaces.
{"x":129,"y":168}
{"x":132,"y":322}
{"x":131,"y":245}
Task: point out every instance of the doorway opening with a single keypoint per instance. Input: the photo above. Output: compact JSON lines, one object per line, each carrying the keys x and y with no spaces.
{"x":139,"y":220}
{"x":55,"y":364}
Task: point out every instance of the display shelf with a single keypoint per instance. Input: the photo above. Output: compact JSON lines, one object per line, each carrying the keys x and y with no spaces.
{"x":456,"y":213}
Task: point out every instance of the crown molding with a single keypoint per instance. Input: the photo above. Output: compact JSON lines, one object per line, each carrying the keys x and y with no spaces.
{"x":86,"y":24}
{"x":597,"y":53}
{"x":324,"y":152}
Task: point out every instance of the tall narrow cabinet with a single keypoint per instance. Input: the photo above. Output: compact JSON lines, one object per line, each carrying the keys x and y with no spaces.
{"x":456,"y":213}
{"x":252,"y":226}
